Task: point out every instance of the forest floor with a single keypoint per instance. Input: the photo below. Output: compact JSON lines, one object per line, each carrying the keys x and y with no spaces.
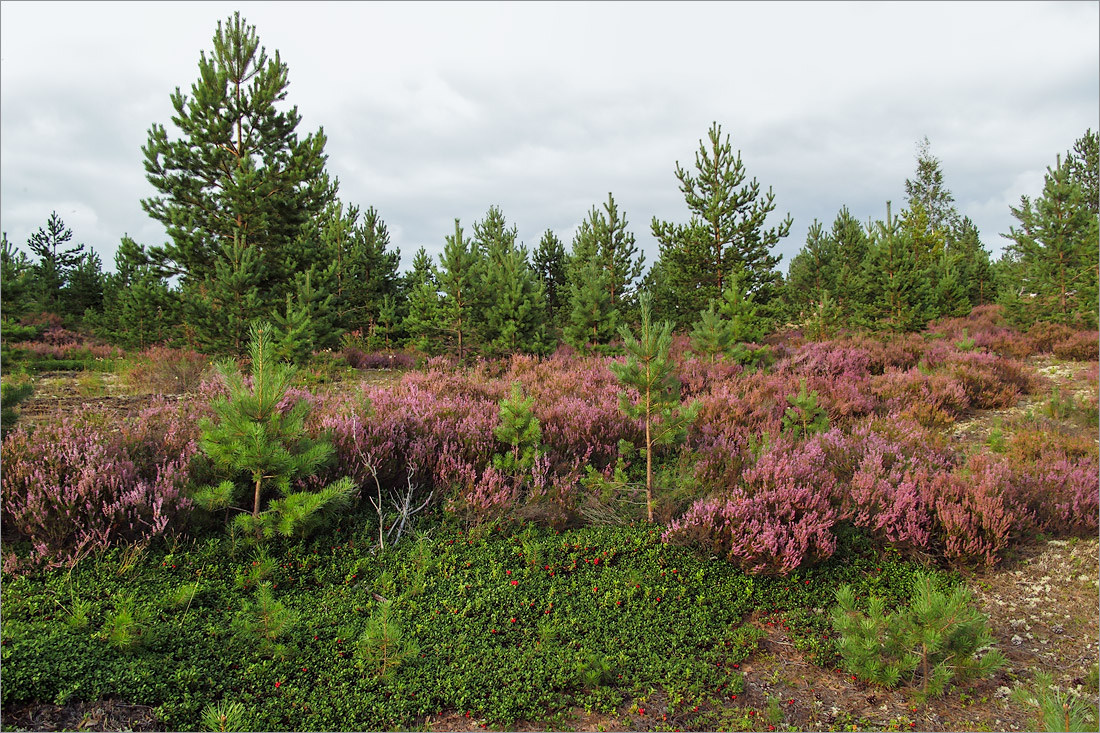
{"x":1043,"y":604}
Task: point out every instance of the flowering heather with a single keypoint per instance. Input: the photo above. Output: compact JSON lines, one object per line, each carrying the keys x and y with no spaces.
{"x":377,"y":360}
{"x":778,"y":521}
{"x":990,"y":381}
{"x":828,"y":359}
{"x":72,"y":488}
{"x":935,"y":399}
{"x":1081,"y":346}
{"x":975,"y":509}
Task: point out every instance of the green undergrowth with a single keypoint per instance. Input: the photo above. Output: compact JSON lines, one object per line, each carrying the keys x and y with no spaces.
{"x":506,"y":624}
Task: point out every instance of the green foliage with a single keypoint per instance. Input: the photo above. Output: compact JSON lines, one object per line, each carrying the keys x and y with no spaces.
{"x":726,"y":230}
{"x":649,"y":370}
{"x":549,"y":265}
{"x":1050,"y":265}
{"x":235,"y":168}
{"x":937,"y":639}
{"x":13,"y":391}
{"x":384,"y":646}
{"x":308,"y":323}
{"x":15,"y":279}
{"x":606,"y":610}
{"x":254,"y":439}
{"x":460,"y":277}
{"x":224,"y":716}
{"x":56,"y":262}
{"x":512,"y":316}
{"x":804,"y":417}
{"x":266,"y":621}
{"x":519,"y":429}
{"x":592,"y":319}
{"x":422,"y":323}
{"x":128,"y":627}
{"x":1054,"y":710}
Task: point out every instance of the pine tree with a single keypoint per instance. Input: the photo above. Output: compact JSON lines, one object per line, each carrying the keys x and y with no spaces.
{"x":459,"y":277}
{"x":511,"y":301}
{"x":975,"y":269}
{"x":603,"y":236}
{"x":55,"y":261}
{"x":220,"y":312}
{"x":235,"y":169}
{"x":265,"y":448}
{"x":592,"y":320}
{"x":1055,"y":253}
{"x":422,"y":323}
{"x":850,"y":245}
{"x":937,"y":639}
{"x":84,"y":290}
{"x":898,"y":286}
{"x":519,"y":429}
{"x":711,"y":334}
{"x":15,"y":279}
{"x":549,"y":264}
{"x":1084,"y":168}
{"x":811,"y":274}
{"x":366,"y":270}
{"x":726,"y":228}
{"x":308,"y":322}
{"x":650,"y":371}
{"x":139,"y":309}
{"x":928,"y":191}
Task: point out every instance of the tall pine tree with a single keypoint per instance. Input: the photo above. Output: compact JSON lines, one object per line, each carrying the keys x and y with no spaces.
{"x":235,"y":170}
{"x":459,"y":276}
{"x":422,"y":322}
{"x":56,"y":261}
{"x":727,"y":228}
{"x":1053,"y":256}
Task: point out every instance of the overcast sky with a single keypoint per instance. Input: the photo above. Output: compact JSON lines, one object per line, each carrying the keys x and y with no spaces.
{"x":437,"y":111}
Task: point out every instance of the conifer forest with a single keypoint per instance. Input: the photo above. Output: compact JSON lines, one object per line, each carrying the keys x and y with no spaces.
{"x":259,"y":478}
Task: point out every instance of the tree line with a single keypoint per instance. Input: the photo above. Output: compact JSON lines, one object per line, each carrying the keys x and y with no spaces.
{"x":257,"y":231}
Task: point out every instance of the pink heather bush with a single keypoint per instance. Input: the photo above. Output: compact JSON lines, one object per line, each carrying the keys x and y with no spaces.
{"x":1081,"y":346}
{"x":828,"y":359}
{"x":990,"y":381}
{"x":1061,"y":491}
{"x":778,"y":521}
{"x":935,"y":399}
{"x":73,"y":488}
{"x":975,"y":509}
{"x":699,"y":376}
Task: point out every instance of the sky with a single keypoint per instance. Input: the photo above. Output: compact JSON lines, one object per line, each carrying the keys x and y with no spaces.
{"x":439,"y":111}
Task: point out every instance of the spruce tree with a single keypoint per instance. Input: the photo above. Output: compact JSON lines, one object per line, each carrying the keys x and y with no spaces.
{"x":264,"y":449}
{"x":235,"y":168}
{"x":650,"y":371}
{"x":727,"y":227}
{"x":56,"y":261}
{"x":459,"y":276}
